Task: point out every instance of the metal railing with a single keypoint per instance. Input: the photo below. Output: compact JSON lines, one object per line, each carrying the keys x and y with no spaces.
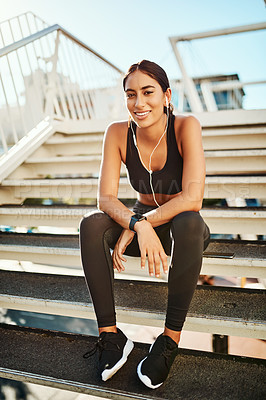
{"x":52,"y":73}
{"x":46,"y":71}
{"x":188,"y":88}
{"x":20,"y":26}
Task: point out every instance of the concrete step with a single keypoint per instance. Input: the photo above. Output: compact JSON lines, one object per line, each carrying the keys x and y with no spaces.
{"x":53,"y":215}
{"x":214,"y":309}
{"x":14,"y":191}
{"x":234,"y":137}
{"x":214,"y":138}
{"x":70,"y":145}
{"x":232,"y":118}
{"x":86,"y":165}
{"x":233,"y":220}
{"x":239,"y":258}
{"x":235,"y":161}
{"x":222,"y":257}
{"x":217,"y":162}
{"x":56,"y":359}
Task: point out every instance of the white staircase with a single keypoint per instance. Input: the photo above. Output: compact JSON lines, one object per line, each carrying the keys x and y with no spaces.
{"x":49,"y":180}
{"x":72,"y":181}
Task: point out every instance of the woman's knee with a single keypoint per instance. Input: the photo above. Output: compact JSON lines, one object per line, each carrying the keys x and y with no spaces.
{"x":188,"y":223}
{"x":93,"y":222}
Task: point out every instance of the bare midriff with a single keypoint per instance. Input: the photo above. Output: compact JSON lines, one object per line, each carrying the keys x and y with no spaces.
{"x":161,"y":198}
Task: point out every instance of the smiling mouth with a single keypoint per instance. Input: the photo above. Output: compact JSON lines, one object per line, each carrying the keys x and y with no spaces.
{"x":141,"y":114}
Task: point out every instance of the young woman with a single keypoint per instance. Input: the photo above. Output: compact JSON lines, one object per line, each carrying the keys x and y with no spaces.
{"x":164,"y":158}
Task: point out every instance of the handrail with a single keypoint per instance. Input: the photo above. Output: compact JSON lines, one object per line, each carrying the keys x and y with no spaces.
{"x":38,"y":35}
{"x":219,"y":32}
{"x":65,"y":80}
{"x":85,"y":46}
{"x":207,"y":89}
{"x":20,"y":15}
{"x":220,"y":86}
{"x":29,"y":39}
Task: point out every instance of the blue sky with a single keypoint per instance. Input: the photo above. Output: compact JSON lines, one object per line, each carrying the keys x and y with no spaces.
{"x":127,"y":31}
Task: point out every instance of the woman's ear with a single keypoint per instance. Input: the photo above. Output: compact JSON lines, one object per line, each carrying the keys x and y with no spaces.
{"x":168,"y":95}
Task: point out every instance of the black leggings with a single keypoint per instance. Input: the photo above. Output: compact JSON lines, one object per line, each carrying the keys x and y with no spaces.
{"x":184,"y":238}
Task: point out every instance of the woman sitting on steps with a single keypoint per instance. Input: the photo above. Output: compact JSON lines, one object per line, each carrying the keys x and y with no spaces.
{"x":164,"y":158}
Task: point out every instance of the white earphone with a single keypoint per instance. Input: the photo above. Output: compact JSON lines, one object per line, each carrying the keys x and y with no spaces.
{"x":167,"y":103}
{"x":149,"y":170}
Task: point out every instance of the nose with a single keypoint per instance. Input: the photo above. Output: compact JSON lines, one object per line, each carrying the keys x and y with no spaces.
{"x":140,"y":101}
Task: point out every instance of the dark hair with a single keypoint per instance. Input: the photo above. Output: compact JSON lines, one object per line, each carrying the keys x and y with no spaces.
{"x":154,"y":71}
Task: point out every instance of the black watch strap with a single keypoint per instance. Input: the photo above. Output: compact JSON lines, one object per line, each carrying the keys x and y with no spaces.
{"x":135,"y":218}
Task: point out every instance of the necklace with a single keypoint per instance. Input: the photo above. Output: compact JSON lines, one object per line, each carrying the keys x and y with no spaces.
{"x":149,"y":170}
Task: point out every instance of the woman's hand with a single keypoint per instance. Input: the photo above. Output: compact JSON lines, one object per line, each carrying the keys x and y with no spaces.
{"x":125,"y":238}
{"x":150,"y":246}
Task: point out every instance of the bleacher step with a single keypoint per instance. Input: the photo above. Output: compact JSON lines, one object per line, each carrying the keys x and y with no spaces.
{"x":67,"y":165}
{"x":241,"y":137}
{"x":221,"y":310}
{"x":71,"y":145}
{"x":216,"y":187}
{"x":60,"y":138}
{"x":217,"y":162}
{"x":56,"y":359}
{"x":231,"y":137}
{"x":235,"y":161}
{"x":219,"y":219}
{"x":222,"y":257}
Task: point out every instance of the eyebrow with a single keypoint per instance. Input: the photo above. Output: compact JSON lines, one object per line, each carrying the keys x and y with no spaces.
{"x":143,"y":88}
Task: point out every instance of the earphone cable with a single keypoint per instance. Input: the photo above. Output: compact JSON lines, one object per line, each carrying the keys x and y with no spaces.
{"x":149,"y":170}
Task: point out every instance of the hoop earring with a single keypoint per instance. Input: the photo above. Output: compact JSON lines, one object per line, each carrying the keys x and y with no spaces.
{"x":129,"y":121}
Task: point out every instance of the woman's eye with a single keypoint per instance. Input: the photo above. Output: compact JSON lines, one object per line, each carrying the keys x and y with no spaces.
{"x":129,"y":95}
{"x":148,"y":92}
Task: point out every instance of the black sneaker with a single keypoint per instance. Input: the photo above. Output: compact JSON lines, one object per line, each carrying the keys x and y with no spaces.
{"x":154,"y":368}
{"x":113,"y":351}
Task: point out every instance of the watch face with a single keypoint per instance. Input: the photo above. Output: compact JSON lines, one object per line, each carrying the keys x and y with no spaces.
{"x":135,"y":218}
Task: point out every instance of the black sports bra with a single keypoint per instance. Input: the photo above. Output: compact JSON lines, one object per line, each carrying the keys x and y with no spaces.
{"x":167,"y":180}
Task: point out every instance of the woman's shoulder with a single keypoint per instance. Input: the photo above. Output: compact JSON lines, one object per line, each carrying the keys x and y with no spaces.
{"x":186,"y":120}
{"x":186,"y":123}
{"x":186,"y":127}
{"x":116,"y":137}
{"x":117,"y":127}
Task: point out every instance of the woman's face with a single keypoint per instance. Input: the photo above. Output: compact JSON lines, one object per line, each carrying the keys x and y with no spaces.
{"x":145,"y":99}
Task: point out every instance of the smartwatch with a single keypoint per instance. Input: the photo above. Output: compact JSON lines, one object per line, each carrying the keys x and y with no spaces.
{"x":135,"y":218}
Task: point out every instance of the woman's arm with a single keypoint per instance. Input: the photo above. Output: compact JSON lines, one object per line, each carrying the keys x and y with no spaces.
{"x":191,"y":196}
{"x":149,"y":243}
{"x":110,"y":174}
